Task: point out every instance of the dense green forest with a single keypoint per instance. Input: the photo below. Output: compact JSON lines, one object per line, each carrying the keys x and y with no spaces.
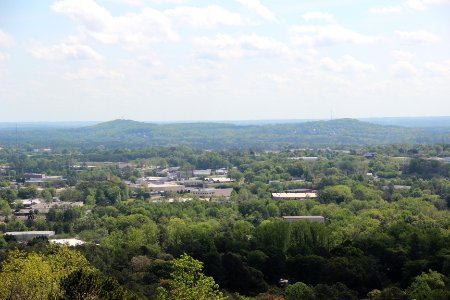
{"x":386,"y":233}
{"x":127,"y":133}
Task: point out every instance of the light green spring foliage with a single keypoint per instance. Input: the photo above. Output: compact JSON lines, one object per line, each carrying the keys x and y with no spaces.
{"x":299,"y":291}
{"x":189,"y":283}
{"x":430,"y":285}
{"x":35,"y":276}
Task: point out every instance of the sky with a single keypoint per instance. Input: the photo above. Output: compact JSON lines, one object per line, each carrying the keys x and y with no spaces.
{"x":155,"y":60}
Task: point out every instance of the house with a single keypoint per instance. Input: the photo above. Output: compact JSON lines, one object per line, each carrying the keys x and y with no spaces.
{"x":401,"y":187}
{"x":25,"y":214}
{"x":294,"y":196}
{"x":23,"y":236}
{"x":318,"y":219}
{"x":396,"y":187}
{"x":275,"y":182}
{"x":370,"y":155}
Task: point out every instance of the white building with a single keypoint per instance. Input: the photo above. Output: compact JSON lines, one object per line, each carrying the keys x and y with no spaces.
{"x":294,"y":196}
{"x":23,"y":236}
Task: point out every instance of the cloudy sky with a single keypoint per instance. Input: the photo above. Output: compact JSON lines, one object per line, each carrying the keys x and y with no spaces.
{"x":158,"y":60}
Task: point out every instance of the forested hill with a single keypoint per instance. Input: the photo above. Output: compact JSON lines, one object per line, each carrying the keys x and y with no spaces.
{"x":127,"y":133}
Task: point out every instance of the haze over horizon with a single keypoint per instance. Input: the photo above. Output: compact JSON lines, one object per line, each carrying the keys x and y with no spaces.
{"x":195,"y":60}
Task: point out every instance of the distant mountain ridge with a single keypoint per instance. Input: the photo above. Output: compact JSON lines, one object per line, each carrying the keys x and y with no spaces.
{"x":129,"y":133}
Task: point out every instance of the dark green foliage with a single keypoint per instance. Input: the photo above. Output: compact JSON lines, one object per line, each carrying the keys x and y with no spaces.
{"x":242,"y":278}
{"x":87,"y":284}
{"x":378,"y":240}
{"x":127,"y":133}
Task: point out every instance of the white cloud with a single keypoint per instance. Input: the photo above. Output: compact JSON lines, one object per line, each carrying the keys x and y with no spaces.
{"x":425,"y":4}
{"x":260,"y":9}
{"x":382,"y":10}
{"x":272,"y":77}
{"x":226,"y":47}
{"x":410,"y":4}
{"x":132,"y":29}
{"x":327,"y":35}
{"x":144,"y":2}
{"x":417,"y":37}
{"x":416,"y":5}
{"x":404,"y":69}
{"x":3,"y":56}
{"x":65,"y":51}
{"x":5,"y":40}
{"x":442,"y":68}
{"x":346,"y":64}
{"x":205,"y":17}
{"x":403,"y":55}
{"x":86,"y":12}
{"x":92,"y":73}
{"x":149,"y":60}
{"x":319,"y":16}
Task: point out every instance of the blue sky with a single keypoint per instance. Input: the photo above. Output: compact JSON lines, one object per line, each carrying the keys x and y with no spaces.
{"x":158,"y":60}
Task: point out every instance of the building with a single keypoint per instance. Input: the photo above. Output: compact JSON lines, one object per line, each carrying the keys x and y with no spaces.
{"x":68,"y":242}
{"x":122,"y":165}
{"x":301,"y":191}
{"x":166,"y":187}
{"x":206,"y":172}
{"x":211,"y":192}
{"x":4,"y":169}
{"x":40,"y":179}
{"x":191,"y":182}
{"x":318,"y":219}
{"x":84,"y":167}
{"x":181,"y":174}
{"x":370,"y":155}
{"x":219,"y":179}
{"x":222,"y":171}
{"x":144,"y":181}
{"x":44,"y":208}
{"x":294,"y":196}
{"x":30,"y":202}
{"x":305,"y":158}
{"x":29,"y":176}
{"x":24,"y":236}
